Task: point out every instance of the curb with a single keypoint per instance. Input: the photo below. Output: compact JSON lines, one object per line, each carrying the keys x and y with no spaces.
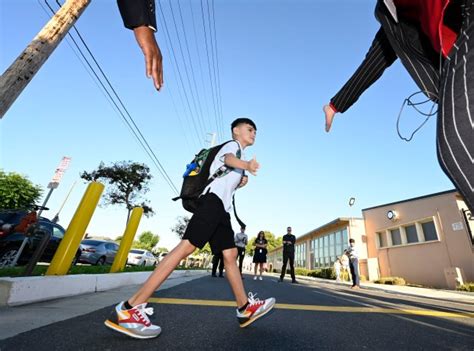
{"x":454,"y":296}
{"x":26,"y":290}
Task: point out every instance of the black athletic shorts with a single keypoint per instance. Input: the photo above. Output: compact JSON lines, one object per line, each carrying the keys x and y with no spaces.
{"x":210,"y":223}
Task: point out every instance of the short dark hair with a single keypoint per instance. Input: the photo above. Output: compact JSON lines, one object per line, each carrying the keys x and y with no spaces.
{"x":352,"y":240}
{"x":242,"y":120}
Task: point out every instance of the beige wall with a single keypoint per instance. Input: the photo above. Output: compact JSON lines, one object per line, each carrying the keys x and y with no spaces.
{"x":422,"y":263}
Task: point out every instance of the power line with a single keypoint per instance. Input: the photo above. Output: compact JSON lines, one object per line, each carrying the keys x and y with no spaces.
{"x":193,"y":119}
{"x":199,"y":58}
{"x":203,"y":131}
{"x":190,"y":62}
{"x":135,"y":129}
{"x":217,"y":62}
{"x":209,"y":70}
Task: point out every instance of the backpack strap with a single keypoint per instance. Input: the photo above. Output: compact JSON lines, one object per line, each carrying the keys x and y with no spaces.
{"x":242,"y":224}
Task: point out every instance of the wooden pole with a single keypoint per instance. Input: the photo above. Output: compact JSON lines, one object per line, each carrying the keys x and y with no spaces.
{"x":23,"y":69}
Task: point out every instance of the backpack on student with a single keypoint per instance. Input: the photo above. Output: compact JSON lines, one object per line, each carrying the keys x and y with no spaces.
{"x":197,"y":176}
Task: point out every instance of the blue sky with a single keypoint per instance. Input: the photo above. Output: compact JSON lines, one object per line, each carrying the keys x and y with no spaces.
{"x":279,"y":62}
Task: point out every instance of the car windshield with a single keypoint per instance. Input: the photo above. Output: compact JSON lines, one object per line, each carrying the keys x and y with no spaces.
{"x":91,"y":242}
{"x":137,"y":251}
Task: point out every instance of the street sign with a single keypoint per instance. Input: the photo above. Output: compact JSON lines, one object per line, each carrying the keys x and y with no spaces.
{"x":63,"y":165}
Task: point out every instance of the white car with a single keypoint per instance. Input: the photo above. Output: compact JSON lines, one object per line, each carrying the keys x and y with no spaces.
{"x":140,"y":257}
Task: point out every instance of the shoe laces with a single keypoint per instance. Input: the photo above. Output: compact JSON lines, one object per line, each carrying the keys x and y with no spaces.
{"x":143,"y":313}
{"x":253,"y":299}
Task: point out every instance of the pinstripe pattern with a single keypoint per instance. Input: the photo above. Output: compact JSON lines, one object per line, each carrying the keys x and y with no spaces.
{"x":378,"y":58}
{"x":453,"y":87}
{"x":455,"y":128}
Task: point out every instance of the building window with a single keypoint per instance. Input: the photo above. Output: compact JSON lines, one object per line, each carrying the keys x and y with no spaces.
{"x":412,"y":236}
{"x":429,"y":231}
{"x":382,"y":239}
{"x":345,"y":238}
{"x":396,"y":237}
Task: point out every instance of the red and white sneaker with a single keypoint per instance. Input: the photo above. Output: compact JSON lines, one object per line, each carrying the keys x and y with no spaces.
{"x":133,"y":322}
{"x":254,"y":310}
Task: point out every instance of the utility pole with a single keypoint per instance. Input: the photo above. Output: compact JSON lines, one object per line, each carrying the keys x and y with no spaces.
{"x":23,"y":69}
{"x":213,"y":136}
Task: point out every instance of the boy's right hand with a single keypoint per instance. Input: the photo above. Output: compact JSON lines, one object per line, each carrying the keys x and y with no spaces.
{"x":253,"y":166}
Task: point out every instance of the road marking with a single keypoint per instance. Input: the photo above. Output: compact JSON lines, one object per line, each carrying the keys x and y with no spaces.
{"x":343,"y":309}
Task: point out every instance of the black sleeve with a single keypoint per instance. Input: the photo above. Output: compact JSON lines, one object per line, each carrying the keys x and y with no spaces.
{"x":136,"y":13}
{"x":380,"y":56}
{"x":293,"y":239}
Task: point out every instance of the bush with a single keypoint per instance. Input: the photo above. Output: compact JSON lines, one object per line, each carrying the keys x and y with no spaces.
{"x":302,"y":271}
{"x":466,"y":287}
{"x":390,"y":281}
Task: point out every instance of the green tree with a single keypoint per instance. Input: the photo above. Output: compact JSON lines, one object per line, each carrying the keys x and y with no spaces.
{"x":206,"y":250}
{"x":127,"y":183}
{"x":180,"y":227}
{"x":160,"y":250}
{"x":147,"y":241}
{"x":17,"y":191}
{"x":273,"y":242}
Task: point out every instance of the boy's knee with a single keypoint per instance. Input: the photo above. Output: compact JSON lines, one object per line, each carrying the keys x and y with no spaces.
{"x":230,"y":255}
{"x":187,"y":247}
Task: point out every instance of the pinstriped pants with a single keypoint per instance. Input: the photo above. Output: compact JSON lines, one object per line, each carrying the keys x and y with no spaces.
{"x":455,"y":127}
{"x":452,"y":88}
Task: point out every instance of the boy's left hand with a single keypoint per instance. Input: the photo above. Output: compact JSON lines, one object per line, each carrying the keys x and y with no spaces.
{"x":243,"y":181}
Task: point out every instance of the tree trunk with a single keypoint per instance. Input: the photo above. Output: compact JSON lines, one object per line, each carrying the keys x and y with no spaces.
{"x":23,"y":69}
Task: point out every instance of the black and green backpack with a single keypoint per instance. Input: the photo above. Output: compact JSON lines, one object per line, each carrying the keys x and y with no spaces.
{"x":196,"y":177}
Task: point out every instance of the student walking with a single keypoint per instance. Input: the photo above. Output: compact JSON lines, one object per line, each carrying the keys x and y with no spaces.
{"x":260,"y":254}
{"x":209,"y":223}
{"x":337,"y":269}
{"x":353,"y":256}
{"x":288,"y":255}
{"x":218,"y":261}
{"x":241,"y":240}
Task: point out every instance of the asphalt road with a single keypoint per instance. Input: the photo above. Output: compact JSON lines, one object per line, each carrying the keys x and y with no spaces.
{"x":309,"y":316}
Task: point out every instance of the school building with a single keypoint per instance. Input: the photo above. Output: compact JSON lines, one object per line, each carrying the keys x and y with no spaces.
{"x":428,"y":240}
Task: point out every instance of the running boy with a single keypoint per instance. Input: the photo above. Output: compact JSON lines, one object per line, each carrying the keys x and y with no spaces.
{"x":210,"y":223}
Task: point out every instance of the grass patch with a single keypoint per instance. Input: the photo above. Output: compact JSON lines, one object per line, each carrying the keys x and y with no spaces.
{"x":391,"y":281}
{"x":466,"y":287}
{"x":41,"y":270}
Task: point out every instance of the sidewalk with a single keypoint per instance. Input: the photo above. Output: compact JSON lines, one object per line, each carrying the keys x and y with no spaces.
{"x":438,"y":294}
{"x":19,"y":319}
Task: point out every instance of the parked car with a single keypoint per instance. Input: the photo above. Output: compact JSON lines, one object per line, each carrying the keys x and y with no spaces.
{"x":10,"y":241}
{"x":161,"y":255}
{"x":98,"y":252}
{"x":139,"y":257}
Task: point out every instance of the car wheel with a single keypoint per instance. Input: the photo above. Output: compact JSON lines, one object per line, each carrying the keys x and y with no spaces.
{"x":100,"y":261}
{"x":7,"y":256}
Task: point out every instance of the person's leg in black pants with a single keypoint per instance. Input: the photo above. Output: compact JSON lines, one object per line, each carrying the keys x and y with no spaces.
{"x":455,"y":132}
{"x":354,"y":265}
{"x":283,"y":268}
{"x":221,"y":266}
{"x":241,"y":251}
{"x":292,"y":267}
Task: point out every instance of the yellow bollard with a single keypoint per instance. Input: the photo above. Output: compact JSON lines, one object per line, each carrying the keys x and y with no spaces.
{"x":75,"y":231}
{"x":127,"y":240}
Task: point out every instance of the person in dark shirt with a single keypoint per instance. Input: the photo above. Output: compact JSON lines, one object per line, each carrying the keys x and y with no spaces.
{"x":288,"y":255}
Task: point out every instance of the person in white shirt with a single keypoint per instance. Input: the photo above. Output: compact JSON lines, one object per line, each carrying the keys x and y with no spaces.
{"x":353,"y":255}
{"x":211,"y":224}
{"x":337,"y":269}
{"x":241,"y":240}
